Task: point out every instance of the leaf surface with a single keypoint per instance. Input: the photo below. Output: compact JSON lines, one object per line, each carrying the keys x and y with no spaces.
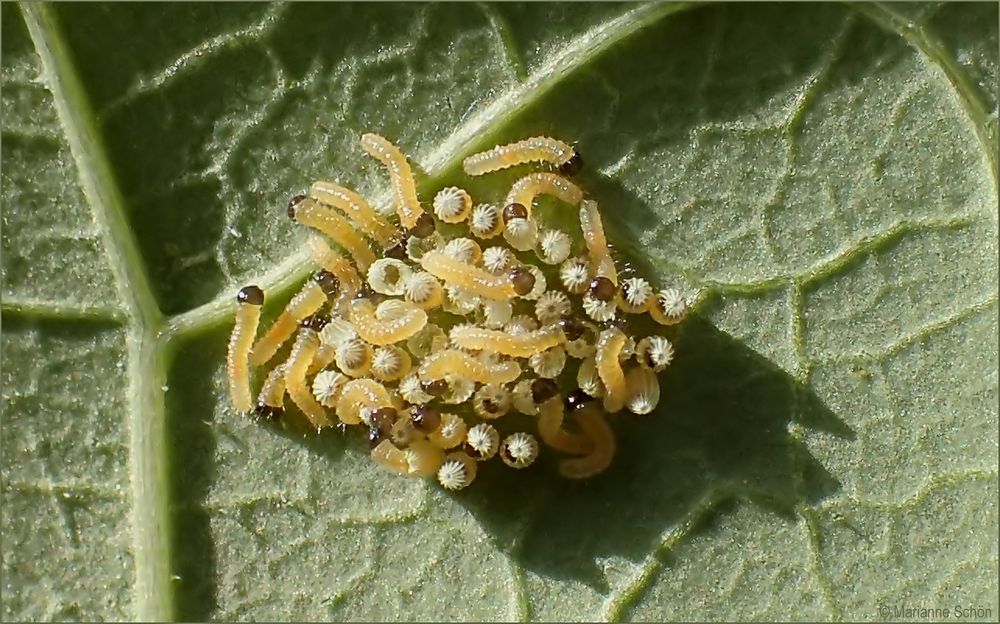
{"x":822,"y":178}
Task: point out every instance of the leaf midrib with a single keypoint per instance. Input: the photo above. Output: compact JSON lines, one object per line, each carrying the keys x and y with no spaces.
{"x":148,"y":460}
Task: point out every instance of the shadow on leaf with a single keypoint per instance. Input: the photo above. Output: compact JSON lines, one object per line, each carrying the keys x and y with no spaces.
{"x":722,"y":430}
{"x":193,"y":438}
{"x":193,"y":448}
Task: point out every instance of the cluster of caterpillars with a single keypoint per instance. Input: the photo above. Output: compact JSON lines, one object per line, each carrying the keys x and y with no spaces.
{"x":425,"y":341}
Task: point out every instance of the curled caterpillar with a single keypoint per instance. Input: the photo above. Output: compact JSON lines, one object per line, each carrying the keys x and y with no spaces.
{"x":383,"y":329}
{"x":401,"y":177}
{"x":529,"y":187}
{"x":595,"y":426}
{"x":358,"y":395}
{"x":550,"y":420}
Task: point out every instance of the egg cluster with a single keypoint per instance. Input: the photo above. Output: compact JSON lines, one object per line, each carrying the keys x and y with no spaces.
{"x":428,"y":341}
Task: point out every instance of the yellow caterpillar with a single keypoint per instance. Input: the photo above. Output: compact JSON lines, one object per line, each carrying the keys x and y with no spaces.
{"x":370,"y":347}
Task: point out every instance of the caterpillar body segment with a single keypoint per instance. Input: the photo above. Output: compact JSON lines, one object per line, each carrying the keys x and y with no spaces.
{"x":356,"y":208}
{"x":319,"y":217}
{"x":460,"y":364}
{"x":601,"y":263}
{"x":382,"y":329}
{"x":338,"y":265}
{"x":609,"y":347}
{"x":534,"y":149}
{"x":306,"y":344}
{"x":358,"y":395}
{"x":594,"y":425}
{"x":550,"y":429}
{"x":249,"y":301}
{"x":525,"y":190}
{"x":271,"y":399}
{"x":386,"y":454}
{"x":522,"y":345}
{"x":404,"y":187}
{"x":473,"y":279}
{"x":307,"y":301}
{"x":423,"y":459}
{"x":324,"y":356}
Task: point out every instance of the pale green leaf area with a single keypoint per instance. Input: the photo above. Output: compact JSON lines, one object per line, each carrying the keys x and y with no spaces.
{"x":820,"y":179}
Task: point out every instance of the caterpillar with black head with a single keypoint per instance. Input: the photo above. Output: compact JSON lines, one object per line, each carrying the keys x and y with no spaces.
{"x":427,"y":341}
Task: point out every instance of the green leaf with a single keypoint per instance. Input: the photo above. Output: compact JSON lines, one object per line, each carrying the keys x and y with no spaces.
{"x":823,"y":176}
